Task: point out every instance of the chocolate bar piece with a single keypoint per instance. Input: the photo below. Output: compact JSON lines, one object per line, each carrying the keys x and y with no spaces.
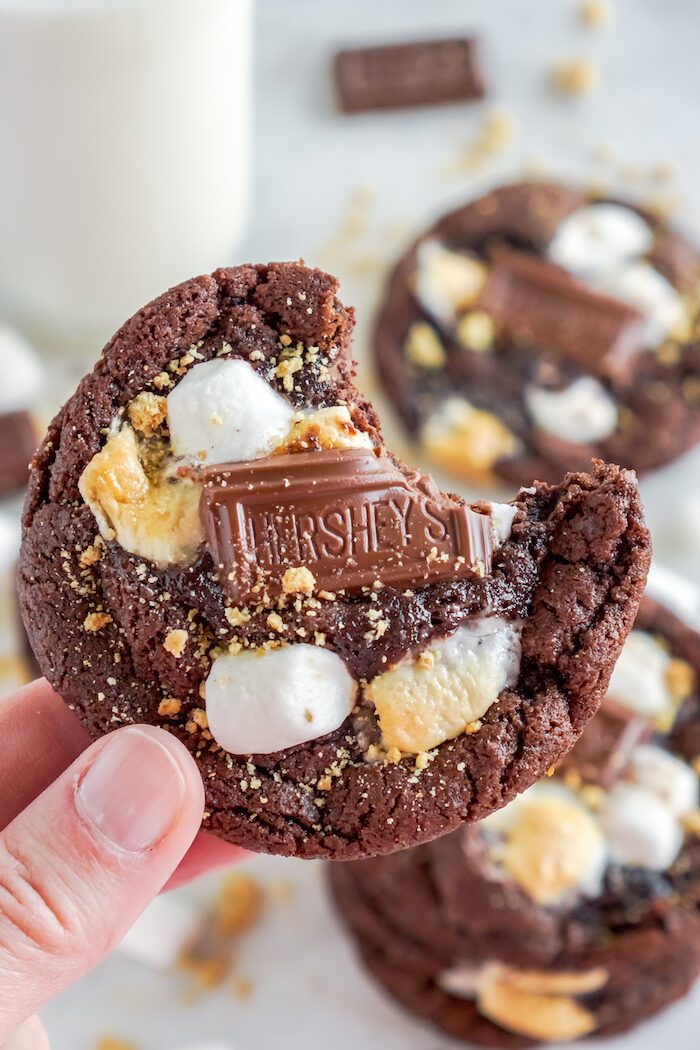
{"x":540,"y":305}
{"x":422,"y":73}
{"x":349,"y":516}
{"x":18,"y":442}
{"x":604,"y":751}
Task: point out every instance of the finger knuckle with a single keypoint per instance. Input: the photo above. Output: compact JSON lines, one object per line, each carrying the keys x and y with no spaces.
{"x":33,"y":912}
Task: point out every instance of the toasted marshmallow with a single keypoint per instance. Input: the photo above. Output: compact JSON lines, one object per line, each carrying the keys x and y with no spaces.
{"x":598,"y":238}
{"x":23,"y":372}
{"x":552,"y":846}
{"x":447,"y":282}
{"x":582,"y":412}
{"x":641,"y":829}
{"x":667,"y":777}
{"x":223,"y":411}
{"x":422,"y":702}
{"x":263,"y":701}
{"x":638,"y":680}
{"x":643,"y":287}
{"x":466,"y":440}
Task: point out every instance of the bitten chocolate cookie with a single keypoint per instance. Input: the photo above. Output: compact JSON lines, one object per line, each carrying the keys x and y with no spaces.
{"x":576,"y":908}
{"x":216,"y":541}
{"x":539,"y":326}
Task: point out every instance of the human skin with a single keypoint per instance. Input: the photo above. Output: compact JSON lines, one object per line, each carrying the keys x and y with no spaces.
{"x":89,"y":834}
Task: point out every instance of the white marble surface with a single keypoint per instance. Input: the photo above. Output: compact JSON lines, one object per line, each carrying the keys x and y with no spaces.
{"x":310,"y":164}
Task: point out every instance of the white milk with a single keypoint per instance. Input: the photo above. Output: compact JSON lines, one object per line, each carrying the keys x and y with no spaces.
{"x":124,"y":131}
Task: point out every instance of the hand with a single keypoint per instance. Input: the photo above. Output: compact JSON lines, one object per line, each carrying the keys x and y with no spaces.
{"x":88,"y":835}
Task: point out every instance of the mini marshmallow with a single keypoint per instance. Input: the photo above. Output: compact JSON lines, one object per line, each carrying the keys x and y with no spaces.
{"x":447,"y":282}
{"x":641,"y":830}
{"x":263,"y":701}
{"x":223,"y":411}
{"x":638,"y":680}
{"x":160,"y":933}
{"x":583,"y":411}
{"x":666,"y":776}
{"x":598,"y":238}
{"x":23,"y":372}
{"x":643,"y":287}
{"x":502,"y":518}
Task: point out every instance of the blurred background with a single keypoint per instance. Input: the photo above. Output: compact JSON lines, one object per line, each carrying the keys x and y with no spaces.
{"x":148,"y":140}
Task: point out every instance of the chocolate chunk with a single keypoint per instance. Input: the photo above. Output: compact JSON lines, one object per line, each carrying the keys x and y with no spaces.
{"x":18,"y":441}
{"x":541,"y":306}
{"x":351,"y":517}
{"x":603,"y":753}
{"x":400,"y":75}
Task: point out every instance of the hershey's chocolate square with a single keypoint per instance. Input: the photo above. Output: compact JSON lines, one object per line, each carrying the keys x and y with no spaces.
{"x":350,"y":517}
{"x":422,"y":73}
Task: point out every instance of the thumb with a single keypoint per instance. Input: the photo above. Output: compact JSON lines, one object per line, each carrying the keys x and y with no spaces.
{"x":83,"y":860}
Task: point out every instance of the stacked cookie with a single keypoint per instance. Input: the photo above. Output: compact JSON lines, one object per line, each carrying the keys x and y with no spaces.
{"x":539,"y":326}
{"x":574,"y":910}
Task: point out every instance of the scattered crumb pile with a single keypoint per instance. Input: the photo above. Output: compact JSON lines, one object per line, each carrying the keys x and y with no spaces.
{"x":211,"y":956}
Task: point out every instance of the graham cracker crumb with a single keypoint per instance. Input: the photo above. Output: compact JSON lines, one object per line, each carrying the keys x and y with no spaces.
{"x":91,"y":555}
{"x":96,"y":621}
{"x":242,"y":988}
{"x":199,"y":717}
{"x":298,"y":581}
{"x":169,"y":707}
{"x":175,"y":642}
{"x":211,"y":954}
{"x":424,"y":346}
{"x":162,"y":381}
{"x":426,"y":660}
{"x":146,"y":412}
{"x":495,"y":135}
{"x":574,"y":77}
{"x":594,"y":13}
{"x":680,"y":678}
{"x":236,"y":617}
{"x":275,"y":622}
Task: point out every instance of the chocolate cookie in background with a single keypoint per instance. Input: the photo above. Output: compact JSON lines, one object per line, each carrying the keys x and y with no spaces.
{"x":575,"y":909}
{"x":541,"y":325}
{"x":22,"y":385}
{"x":216,"y":541}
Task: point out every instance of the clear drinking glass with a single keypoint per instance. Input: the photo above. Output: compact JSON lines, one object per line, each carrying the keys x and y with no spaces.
{"x":124,"y":131}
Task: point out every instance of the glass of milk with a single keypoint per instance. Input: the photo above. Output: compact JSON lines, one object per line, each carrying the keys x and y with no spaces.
{"x":124,"y":132}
